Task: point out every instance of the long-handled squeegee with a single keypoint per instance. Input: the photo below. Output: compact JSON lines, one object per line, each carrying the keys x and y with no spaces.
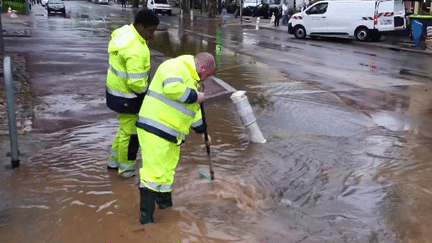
{"x":202,"y":173}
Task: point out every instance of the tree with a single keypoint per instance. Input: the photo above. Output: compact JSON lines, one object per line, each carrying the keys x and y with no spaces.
{"x":212,"y":9}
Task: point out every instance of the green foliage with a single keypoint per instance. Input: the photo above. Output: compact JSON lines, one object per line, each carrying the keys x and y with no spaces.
{"x":17,"y":6}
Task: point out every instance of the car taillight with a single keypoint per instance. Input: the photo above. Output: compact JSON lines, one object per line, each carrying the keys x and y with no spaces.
{"x":375,"y":19}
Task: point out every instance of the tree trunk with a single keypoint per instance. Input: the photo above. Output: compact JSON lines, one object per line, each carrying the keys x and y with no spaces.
{"x":185,"y":6}
{"x":212,"y":9}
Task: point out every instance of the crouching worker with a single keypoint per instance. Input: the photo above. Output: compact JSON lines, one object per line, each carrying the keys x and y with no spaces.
{"x":169,"y":110}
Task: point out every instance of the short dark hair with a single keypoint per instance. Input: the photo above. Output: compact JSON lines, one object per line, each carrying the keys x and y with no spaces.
{"x":146,"y":18}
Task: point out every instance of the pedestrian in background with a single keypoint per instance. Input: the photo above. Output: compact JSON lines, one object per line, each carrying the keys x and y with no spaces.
{"x":284,"y":14}
{"x":278,"y":15}
{"x":123,"y":3}
{"x":127,"y":82}
{"x":170,"y":108}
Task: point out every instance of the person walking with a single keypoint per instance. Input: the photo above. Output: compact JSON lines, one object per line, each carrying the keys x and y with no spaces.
{"x":170,"y":108}
{"x":284,"y":14}
{"x":278,"y":15}
{"x":123,"y":3}
{"x":127,"y":82}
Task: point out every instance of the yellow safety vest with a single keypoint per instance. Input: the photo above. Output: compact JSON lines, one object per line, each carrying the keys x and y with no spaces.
{"x":129,"y":66}
{"x":169,"y":109}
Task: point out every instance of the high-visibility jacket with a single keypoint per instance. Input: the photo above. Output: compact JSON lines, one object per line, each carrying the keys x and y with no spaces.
{"x":169,"y":109}
{"x":129,"y":66}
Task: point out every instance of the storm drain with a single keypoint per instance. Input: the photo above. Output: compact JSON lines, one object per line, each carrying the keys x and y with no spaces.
{"x":16,"y":33}
{"x":214,"y":87}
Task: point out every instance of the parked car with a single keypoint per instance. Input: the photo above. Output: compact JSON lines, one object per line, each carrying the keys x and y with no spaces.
{"x":44,"y":2}
{"x":231,"y":8}
{"x":54,"y":6}
{"x":102,"y":1}
{"x":261,"y":10}
{"x":159,"y":6}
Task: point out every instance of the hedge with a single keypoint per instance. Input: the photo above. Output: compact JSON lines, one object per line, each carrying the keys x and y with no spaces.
{"x":17,"y":6}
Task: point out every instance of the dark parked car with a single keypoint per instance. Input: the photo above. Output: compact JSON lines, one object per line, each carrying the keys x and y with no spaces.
{"x":261,"y":10}
{"x":54,"y":6}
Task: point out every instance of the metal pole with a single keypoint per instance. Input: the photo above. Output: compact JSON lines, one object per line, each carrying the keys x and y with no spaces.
{"x":1,"y":37}
{"x":241,"y":11}
{"x":27,"y":7}
{"x":11,"y":111}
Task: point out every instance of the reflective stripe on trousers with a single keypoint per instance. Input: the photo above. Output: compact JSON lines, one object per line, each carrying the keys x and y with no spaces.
{"x":156,"y":187}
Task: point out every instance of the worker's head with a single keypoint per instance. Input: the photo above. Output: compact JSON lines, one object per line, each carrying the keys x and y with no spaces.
{"x":146,"y":23}
{"x":205,"y":65}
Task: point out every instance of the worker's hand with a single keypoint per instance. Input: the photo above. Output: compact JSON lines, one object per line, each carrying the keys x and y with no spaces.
{"x":200,"y":97}
{"x":209,"y":139}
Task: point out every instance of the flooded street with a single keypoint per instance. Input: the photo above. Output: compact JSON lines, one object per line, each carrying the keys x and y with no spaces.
{"x":347,"y":158}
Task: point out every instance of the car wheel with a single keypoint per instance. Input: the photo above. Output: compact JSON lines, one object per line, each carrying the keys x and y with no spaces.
{"x":299,"y":32}
{"x":362,"y":34}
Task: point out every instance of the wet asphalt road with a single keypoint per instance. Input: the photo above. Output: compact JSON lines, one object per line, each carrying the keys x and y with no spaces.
{"x":348,"y":130}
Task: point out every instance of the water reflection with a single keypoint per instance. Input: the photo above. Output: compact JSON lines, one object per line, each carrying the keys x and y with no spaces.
{"x":410,"y":199}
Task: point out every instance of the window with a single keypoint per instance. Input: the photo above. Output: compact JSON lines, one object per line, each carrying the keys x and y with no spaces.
{"x":319,"y":8}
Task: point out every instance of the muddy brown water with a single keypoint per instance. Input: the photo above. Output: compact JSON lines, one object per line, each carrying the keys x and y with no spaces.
{"x":331,"y":171}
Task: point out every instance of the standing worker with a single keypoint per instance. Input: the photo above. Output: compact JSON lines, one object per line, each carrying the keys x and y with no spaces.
{"x":127,"y":82}
{"x":170,"y":108}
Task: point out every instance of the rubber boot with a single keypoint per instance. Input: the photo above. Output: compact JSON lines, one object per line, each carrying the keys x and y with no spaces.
{"x":147,"y":206}
{"x":163,"y":199}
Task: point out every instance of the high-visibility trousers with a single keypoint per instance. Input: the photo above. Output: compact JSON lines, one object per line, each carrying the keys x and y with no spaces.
{"x":159,"y":160}
{"x":125,"y":144}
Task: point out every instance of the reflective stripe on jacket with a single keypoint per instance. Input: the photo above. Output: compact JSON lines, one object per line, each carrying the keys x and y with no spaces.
{"x":169,"y":109}
{"x":129,"y":66}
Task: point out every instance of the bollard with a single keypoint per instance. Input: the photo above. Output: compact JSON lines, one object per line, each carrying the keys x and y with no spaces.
{"x":11,"y":110}
{"x":191,"y":14}
{"x":257,"y":23}
{"x":224,"y":16}
{"x":248,"y":119}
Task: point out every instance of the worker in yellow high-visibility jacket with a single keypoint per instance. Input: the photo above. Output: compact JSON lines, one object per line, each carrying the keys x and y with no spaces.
{"x":127,"y":83}
{"x":170,"y":108}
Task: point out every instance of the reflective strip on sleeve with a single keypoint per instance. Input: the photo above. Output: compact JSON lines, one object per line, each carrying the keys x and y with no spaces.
{"x":185,"y":95}
{"x":156,"y":187}
{"x":118,"y":73}
{"x":128,"y":75}
{"x":171,"y":80}
{"x":137,"y":75}
{"x":197,"y":123}
{"x":172,"y":103}
{"x":121,"y":94}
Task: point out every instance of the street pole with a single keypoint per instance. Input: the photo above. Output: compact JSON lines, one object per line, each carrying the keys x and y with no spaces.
{"x":10,"y":100}
{"x":241,"y":11}
{"x":1,"y":37}
{"x":27,"y":7}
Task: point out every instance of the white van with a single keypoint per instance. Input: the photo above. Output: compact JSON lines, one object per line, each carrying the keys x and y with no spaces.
{"x":251,"y":3}
{"x":364,"y":20}
{"x":159,"y":6}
